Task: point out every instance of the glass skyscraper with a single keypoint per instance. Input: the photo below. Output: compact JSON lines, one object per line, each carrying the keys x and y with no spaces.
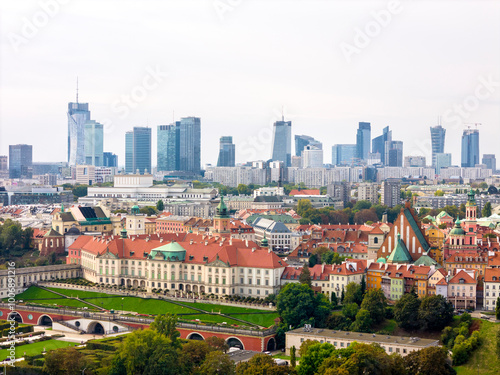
{"x":282,"y":142}
{"x":437,"y":138}
{"x":78,"y":115}
{"x":109,"y":159}
{"x":394,"y":153}
{"x":226,"y":152}
{"x":343,"y":154}
{"x":302,"y":141}
{"x":20,"y":161}
{"x":94,"y":135}
{"x":190,"y":144}
{"x":363,"y":140}
{"x":138,"y":150}
{"x":470,"y":148}
{"x":378,"y":143}
{"x":168,"y":146}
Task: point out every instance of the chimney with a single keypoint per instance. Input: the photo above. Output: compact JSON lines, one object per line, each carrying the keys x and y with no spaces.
{"x":246,"y":243}
{"x":269,"y":251}
{"x":191,"y":242}
{"x":253,"y":249}
{"x":206,"y":243}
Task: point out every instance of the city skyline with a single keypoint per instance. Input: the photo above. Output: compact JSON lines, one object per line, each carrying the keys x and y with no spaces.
{"x":327,"y":103}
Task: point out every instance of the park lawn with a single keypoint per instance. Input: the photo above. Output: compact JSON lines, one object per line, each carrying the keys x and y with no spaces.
{"x":483,"y":360}
{"x":388,"y":326}
{"x":263,"y":320}
{"x":141,"y":305}
{"x":36,"y":348}
{"x":67,"y":302}
{"x":81,"y":293}
{"x":222,"y":308}
{"x":34,"y":292}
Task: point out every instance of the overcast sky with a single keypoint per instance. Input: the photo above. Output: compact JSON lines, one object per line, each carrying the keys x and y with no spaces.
{"x":237,"y":63}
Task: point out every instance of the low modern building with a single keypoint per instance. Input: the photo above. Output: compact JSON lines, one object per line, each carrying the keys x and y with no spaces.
{"x":342,"y":339}
{"x":276,"y":233}
{"x":491,"y":288}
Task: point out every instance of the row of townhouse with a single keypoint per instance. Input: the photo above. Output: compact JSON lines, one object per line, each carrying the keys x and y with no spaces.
{"x":186,"y":262}
{"x":329,"y":278}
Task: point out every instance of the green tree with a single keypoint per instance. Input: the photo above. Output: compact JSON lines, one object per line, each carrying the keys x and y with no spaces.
{"x":79,"y":191}
{"x":439,"y":193}
{"x":217,"y":363}
{"x":160,"y":206}
{"x":334,"y":299}
{"x":262,"y":364}
{"x":375,"y":302}
{"x":303,"y":206}
{"x":363,"y":285}
{"x":459,"y":354}
{"x":165,"y":324}
{"x":486,"y":211}
{"x":350,"y":310}
{"x":428,"y":361}
{"x":365,"y":216}
{"x":305,"y":276}
{"x":297,"y":305}
{"x":406,"y":311}
{"x":65,"y":361}
{"x":363,"y":321}
{"x":497,"y":309}
{"x":362,"y":205}
{"x":243,"y":189}
{"x":148,"y":210}
{"x":217,"y":343}
{"x":435,"y":312}
{"x":353,"y":293}
{"x":293,"y":359}
{"x":311,"y":360}
{"x":193,"y":354}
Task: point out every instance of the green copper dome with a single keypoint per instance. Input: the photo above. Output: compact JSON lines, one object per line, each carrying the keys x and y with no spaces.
{"x":221,"y":210}
{"x":264,"y":242}
{"x":172,"y":251}
{"x":457,"y":231}
{"x":381,"y":260}
{"x":135,"y":210}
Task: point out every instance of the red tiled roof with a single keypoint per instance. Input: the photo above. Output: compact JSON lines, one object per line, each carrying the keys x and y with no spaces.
{"x":304,"y":192}
{"x":490,"y":273}
{"x":462,"y":275}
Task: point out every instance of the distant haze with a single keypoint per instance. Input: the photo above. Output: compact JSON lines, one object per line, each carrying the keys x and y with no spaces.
{"x":236,"y":64}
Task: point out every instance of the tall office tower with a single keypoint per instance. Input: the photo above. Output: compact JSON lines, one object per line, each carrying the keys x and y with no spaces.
{"x":378,"y":143}
{"x":109,"y":159}
{"x":394,"y":153}
{"x":94,"y":135}
{"x":301,"y":141}
{"x":78,"y":115}
{"x":190,"y":144}
{"x":390,"y":195}
{"x":490,"y":161}
{"x":20,"y":161}
{"x":363,"y":140}
{"x":343,"y":154}
{"x":226,"y":152}
{"x":470,"y":148}
{"x":282,"y":142}
{"x":4,"y":166}
{"x":138,"y":150}
{"x":312,"y":157}
{"x":339,"y":190}
{"x":414,"y":161}
{"x":437,"y":138}
{"x":168,"y":147}
{"x":442,"y":161}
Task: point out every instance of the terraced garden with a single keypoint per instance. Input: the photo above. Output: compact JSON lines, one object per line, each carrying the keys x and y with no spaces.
{"x":36,"y":348}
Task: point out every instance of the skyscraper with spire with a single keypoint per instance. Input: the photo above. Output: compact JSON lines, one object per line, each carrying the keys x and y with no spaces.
{"x":282,"y":142}
{"x":78,"y":115}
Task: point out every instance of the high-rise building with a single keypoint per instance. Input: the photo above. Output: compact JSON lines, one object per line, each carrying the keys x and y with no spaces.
{"x":301,"y":141}
{"x":363,"y":140}
{"x":414,"y":161}
{"x":78,"y":115}
{"x":394,"y":153}
{"x":168,"y":147}
{"x":470,"y":148}
{"x":312,"y":157}
{"x":339,"y":190}
{"x":282,"y":142}
{"x":4,"y":166}
{"x":138,"y":150}
{"x":190,"y":144}
{"x":94,"y":135}
{"x":109,"y":160}
{"x":378,"y":143}
{"x":490,"y":161}
{"x":391,"y":192}
{"x":20,"y":161}
{"x":442,"y":161}
{"x":343,"y":154}
{"x":437,"y":139}
{"x":368,"y":192}
{"x":226,"y":152}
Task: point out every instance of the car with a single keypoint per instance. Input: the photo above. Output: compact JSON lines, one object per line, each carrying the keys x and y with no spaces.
{"x":485,"y":317}
{"x":267,"y":352}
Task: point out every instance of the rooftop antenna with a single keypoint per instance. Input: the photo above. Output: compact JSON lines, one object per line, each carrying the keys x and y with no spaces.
{"x":77,"y":89}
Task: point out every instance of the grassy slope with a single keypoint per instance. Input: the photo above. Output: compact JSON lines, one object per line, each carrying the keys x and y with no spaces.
{"x":140,"y":305}
{"x":485,"y":359}
{"x":37,"y":348}
{"x":34,"y":292}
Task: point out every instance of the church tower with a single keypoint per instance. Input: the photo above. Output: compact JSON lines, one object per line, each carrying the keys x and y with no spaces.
{"x":470,"y":222}
{"x":221,"y":219}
